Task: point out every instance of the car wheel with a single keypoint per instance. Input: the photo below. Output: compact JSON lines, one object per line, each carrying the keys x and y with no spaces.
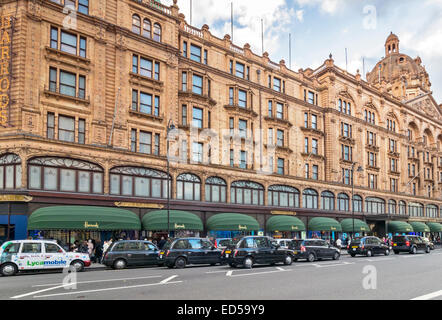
{"x":387,"y":252}
{"x":413,"y":250}
{"x":396,"y":252}
{"x":119,"y":264}
{"x":311,"y":257}
{"x":296,"y":259}
{"x":427,"y":250}
{"x":248,"y":263}
{"x":352,"y":255}
{"x":336,"y":256}
{"x":369,"y":253}
{"x":78,"y":265}
{"x":180,"y":263}
{"x":8,"y":269}
{"x":288,"y":260}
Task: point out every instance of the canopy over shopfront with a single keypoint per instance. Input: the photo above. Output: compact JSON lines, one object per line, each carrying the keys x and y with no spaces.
{"x":79,"y":218}
{"x":178,"y":220}
{"x":284,"y":224}
{"x":434,"y":226}
{"x":420,"y":227}
{"x":324,"y":224}
{"x":232,"y":222}
{"x":359,"y":225}
{"x":399,"y":227}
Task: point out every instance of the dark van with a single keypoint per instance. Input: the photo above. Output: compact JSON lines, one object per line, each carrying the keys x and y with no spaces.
{"x":410,"y":244}
{"x":313,"y":249}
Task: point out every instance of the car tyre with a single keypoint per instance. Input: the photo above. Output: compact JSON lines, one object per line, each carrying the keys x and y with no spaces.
{"x":427,"y":250}
{"x":352,"y":255}
{"x":78,"y":265}
{"x":413,"y":250}
{"x":336,"y":256}
{"x":119,"y":264}
{"x":248,"y":263}
{"x":396,"y":252}
{"x":8,"y":269}
{"x":180,"y":263}
{"x":311,"y":257}
{"x":288,"y":260}
{"x":387,"y":252}
{"x":369,"y":253}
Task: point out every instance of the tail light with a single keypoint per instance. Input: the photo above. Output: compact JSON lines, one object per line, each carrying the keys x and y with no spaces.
{"x":362,"y":247}
{"x":167,"y":253}
{"x":216,"y":245}
{"x":235,"y":253}
{"x":407,"y":243}
{"x":302,"y":249}
{"x":348,"y":246}
{"x":222,"y":253}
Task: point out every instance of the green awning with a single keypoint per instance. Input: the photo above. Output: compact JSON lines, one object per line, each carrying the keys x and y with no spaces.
{"x":178,"y":220}
{"x":83,"y":218}
{"x":399,"y":226}
{"x":434,"y":226}
{"x":285,"y":223}
{"x":232,"y":222}
{"x":324,"y":224}
{"x":420,"y":227}
{"x":359,"y":225}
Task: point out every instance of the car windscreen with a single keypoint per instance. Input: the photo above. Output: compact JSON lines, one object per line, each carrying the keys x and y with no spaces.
{"x":11,"y":247}
{"x":356,"y":241}
{"x":295,"y":244}
{"x":225,"y":242}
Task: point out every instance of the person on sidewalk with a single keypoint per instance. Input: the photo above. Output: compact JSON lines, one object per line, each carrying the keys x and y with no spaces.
{"x":339,"y":244}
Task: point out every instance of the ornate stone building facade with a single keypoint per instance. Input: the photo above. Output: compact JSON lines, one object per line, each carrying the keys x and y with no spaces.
{"x":95,"y":87}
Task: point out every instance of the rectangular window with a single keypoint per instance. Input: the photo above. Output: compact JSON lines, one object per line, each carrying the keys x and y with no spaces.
{"x":231,"y":67}
{"x":314,"y":121}
{"x":280,"y":138}
{"x":231,"y":125}
{"x":205,"y":56}
{"x":157,"y":106}
{"x":184,"y":81}
{"x":83,"y":6}
{"x":197,"y":152}
{"x":270,"y":109}
{"x":248,"y":73}
{"x":242,"y":99}
{"x":231,"y":158}
{"x":197,"y":84}
{"x":270,"y":137}
{"x":277,"y":84}
{"x":134,"y":100}
{"x":311,"y":97}
{"x":157,"y":71}
{"x":315,"y":172}
{"x":54,"y":38}
{"x":51,"y":126}
{"x":306,"y":120}
{"x":66,"y":129}
{"x":145,"y":103}
{"x":68,"y":83}
{"x":133,"y":140}
{"x":82,"y":87}
{"x":239,"y":69}
{"x":184,"y":115}
{"x":279,"y":110}
{"x":146,"y":67}
{"x":242,"y":125}
{"x":280,"y":166}
{"x":243,"y":160}
{"x":306,"y":171}
{"x":306,"y":145}
{"x":82,"y":47}
{"x":68,"y":43}
{"x":134,"y":64}
{"x":231,"y":98}
{"x":195,"y":53}
{"x":209,"y":120}
{"x":314,"y":146}
{"x":81,"y":131}
{"x":197,"y":118}
{"x":145,"y":142}
{"x":346,"y":176}
{"x":184,"y":49}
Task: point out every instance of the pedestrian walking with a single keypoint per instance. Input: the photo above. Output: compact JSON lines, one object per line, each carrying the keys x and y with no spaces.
{"x":162,"y":243}
{"x":339,"y":244}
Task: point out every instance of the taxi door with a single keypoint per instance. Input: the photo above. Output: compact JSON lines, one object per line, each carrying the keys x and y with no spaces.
{"x":55,"y":257}
{"x":31,"y":256}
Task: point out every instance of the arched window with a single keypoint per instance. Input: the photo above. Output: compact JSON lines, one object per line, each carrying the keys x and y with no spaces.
{"x":431,"y":211}
{"x":216,"y":189}
{"x":391,"y":207}
{"x":344,"y":106}
{"x":357,"y":203}
{"x":328,"y":200}
{"x":247,"y":192}
{"x":66,"y":175}
{"x":147,"y":28}
{"x":402,"y":208}
{"x":157,"y":32}
{"x":370,"y":116}
{"x":416,"y":209}
{"x":343,"y":202}
{"x":10,"y":171}
{"x":136,"y":24}
{"x":283,"y":196}
{"x":310,"y":199}
{"x":138,"y":182}
{"x":188,"y":187}
{"x":375,"y":205}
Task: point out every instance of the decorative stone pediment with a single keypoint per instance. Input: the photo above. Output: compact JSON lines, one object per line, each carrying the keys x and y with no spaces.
{"x":426,"y":105}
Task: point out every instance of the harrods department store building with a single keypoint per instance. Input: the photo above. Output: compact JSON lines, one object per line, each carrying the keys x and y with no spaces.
{"x":89,"y":95}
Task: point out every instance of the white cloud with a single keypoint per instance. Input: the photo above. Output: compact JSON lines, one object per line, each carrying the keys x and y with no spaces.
{"x":326,"y":6}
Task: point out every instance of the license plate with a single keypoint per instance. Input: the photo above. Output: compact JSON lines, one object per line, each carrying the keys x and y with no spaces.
{"x":162,"y":252}
{"x":295,"y":252}
{"x":227,"y":255}
{"x":355,"y":247}
{"x":395,"y":245}
{"x":228,"y":251}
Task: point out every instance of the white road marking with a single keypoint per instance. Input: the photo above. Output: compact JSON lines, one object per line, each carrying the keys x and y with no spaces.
{"x":168,"y":279}
{"x":40,"y":291}
{"x":334,"y":265}
{"x":413,"y":256}
{"x":109,"y":289}
{"x":280,"y":269}
{"x":257,"y":273}
{"x":221,"y":271}
{"x":229,"y":273}
{"x":94,"y":281}
{"x":429,"y":296}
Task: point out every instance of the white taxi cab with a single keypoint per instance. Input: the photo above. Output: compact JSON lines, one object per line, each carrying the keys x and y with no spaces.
{"x":28,"y":255}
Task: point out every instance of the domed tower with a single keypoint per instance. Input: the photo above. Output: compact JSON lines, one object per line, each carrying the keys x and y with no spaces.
{"x":403,"y":77}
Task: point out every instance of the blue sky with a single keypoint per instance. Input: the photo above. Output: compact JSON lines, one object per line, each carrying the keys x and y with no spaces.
{"x":321,"y":27}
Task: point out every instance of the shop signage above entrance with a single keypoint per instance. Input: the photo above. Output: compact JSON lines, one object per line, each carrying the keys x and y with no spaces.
{"x":139,"y":205}
{"x":240,"y":227}
{"x":287,"y":213}
{"x":14,"y":198}
{"x":88,"y":225}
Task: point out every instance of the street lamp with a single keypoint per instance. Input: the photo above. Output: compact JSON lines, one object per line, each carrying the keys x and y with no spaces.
{"x":170,"y":127}
{"x":352,"y":194}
